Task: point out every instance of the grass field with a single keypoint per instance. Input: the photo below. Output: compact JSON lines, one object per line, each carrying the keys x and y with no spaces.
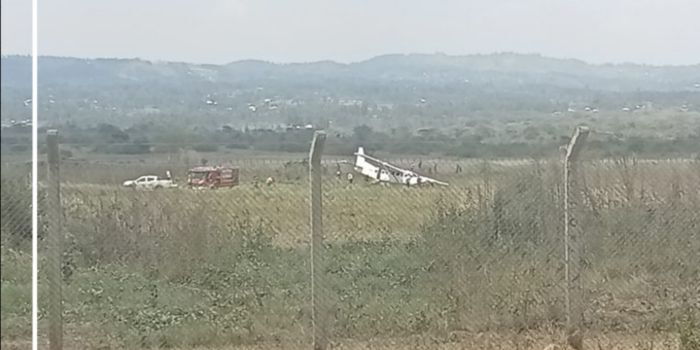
{"x":474,"y":265}
{"x":504,"y":340}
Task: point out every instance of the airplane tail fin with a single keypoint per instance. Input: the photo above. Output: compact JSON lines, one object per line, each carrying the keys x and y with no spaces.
{"x":360,"y":159}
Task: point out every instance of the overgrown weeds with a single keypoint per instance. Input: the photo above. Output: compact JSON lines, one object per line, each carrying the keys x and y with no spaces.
{"x":159,"y":269}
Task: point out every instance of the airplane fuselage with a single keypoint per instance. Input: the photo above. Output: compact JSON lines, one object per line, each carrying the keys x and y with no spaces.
{"x":376,"y":173}
{"x":381,"y":171}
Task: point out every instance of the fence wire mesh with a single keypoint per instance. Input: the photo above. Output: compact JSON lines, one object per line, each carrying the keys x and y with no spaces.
{"x":15,"y":252}
{"x":477,"y":264}
{"x":642,"y":248}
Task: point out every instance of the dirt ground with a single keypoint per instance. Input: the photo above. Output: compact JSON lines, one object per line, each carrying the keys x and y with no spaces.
{"x":529,"y":340}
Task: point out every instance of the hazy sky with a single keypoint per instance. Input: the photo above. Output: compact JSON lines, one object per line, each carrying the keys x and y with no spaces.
{"x":219,"y":31}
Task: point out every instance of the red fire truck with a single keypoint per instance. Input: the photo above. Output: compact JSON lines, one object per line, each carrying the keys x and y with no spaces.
{"x":212,"y":177}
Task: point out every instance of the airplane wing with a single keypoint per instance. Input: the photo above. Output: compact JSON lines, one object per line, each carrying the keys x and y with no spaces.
{"x":429,"y":180}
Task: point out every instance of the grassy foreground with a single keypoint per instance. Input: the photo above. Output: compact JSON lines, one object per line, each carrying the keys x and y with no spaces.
{"x":424,"y":267}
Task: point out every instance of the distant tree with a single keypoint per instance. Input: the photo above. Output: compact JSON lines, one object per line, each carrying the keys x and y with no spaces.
{"x":139,"y":145}
{"x":362,"y":133}
{"x":205,"y":147}
{"x":112,"y":133}
{"x":531,"y":133}
{"x":485,"y":132}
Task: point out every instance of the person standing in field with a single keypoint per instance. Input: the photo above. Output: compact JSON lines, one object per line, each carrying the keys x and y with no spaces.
{"x":350,"y":178}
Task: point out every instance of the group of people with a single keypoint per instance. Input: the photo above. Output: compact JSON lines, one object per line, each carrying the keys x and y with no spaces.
{"x":349,"y":177}
{"x":269,"y":181}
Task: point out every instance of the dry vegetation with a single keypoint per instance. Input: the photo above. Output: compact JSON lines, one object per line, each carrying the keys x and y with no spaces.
{"x":476,"y":265}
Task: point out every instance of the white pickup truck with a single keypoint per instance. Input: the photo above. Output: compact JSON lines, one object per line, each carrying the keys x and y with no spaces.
{"x":150,"y":182}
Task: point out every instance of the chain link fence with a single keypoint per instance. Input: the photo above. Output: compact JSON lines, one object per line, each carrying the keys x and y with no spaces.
{"x":477,"y":264}
{"x":641,"y":225}
{"x":15,"y":252}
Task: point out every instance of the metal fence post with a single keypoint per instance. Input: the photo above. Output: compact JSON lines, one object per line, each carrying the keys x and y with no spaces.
{"x":318,"y":314}
{"x":573,"y":241}
{"x":55,"y":240}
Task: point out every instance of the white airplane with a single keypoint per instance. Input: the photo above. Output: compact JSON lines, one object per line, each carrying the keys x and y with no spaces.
{"x":381,"y":171}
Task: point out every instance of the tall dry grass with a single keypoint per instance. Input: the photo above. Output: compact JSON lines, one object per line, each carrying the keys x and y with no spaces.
{"x":188,"y":268}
